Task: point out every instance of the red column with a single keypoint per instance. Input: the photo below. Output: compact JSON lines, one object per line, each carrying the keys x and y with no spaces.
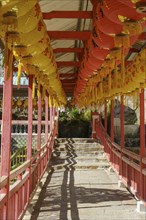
{"x":51,"y":118}
{"x":112,"y":120}
{"x":105,"y":115}
{"x":142,"y":140}
{"x":46,"y":118}
{"x":6,"y":136}
{"x":29,"y":145}
{"x":39,"y":120}
{"x":30,"y":109}
{"x":122,"y":121}
{"x":122,"y":136}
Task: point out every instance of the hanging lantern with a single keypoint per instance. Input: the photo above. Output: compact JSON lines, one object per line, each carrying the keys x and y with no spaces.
{"x":10,"y":19}
{"x":141,"y":7}
{"x":132,"y":27}
{"x":115,"y":53}
{"x":122,"y":40}
{"x":28,"y":59}
{"x":20,"y":50}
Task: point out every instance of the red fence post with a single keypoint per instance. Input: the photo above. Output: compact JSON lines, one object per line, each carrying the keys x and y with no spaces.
{"x":39,"y":126}
{"x":6,"y":137}
{"x":46,"y":118}
{"x":39,"y":119}
{"x":122,"y":141}
{"x":51,"y":117}
{"x":105,"y":115}
{"x":122,"y":122}
{"x":112,"y":120}
{"x":142,"y":141}
{"x":29,"y":145}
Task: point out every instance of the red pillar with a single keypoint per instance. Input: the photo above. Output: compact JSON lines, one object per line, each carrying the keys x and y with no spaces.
{"x":105,"y":115}
{"x":39,"y":120}
{"x":29,"y":145}
{"x":30,"y":109}
{"x":122,"y":136}
{"x":51,"y":118}
{"x":112,"y":120}
{"x":142,"y":141}
{"x":46,"y":118}
{"x":6,"y":137}
{"x":122,"y":122}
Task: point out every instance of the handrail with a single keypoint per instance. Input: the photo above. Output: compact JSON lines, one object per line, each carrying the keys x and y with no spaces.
{"x":3,"y":181}
{"x":130,"y":166}
{"x":19,"y":170}
{"x":25,"y":178}
{"x":25,"y":122}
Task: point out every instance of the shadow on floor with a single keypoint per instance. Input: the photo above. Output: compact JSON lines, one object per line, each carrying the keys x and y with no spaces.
{"x":51,"y":201}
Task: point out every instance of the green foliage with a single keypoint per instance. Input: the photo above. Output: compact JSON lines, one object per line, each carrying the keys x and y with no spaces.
{"x":75,"y":114}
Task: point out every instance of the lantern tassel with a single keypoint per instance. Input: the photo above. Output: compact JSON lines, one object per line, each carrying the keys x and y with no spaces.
{"x":19,"y":74}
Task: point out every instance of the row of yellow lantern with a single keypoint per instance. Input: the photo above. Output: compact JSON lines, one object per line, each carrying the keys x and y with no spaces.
{"x":25,"y":35}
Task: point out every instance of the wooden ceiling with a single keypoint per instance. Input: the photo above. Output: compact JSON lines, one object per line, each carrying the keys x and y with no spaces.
{"x":68,"y":24}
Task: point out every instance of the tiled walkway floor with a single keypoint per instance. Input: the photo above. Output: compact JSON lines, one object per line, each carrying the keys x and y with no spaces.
{"x":83,"y":195}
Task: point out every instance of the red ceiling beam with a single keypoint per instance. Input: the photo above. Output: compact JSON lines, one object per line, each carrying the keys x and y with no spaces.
{"x":68,"y":81}
{"x":69,"y":35}
{"x":68,"y":50}
{"x":67,"y":75}
{"x":68,"y":63}
{"x":68,"y":14}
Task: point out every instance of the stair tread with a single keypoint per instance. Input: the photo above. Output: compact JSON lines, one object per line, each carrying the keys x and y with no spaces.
{"x":70,"y":153}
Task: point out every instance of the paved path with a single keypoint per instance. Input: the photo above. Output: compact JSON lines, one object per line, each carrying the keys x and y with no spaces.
{"x":84,"y":195}
{"x":81,"y":194}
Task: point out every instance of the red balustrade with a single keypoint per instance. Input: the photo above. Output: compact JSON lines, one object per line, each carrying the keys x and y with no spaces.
{"x":130,"y":166}
{"x":23,"y":181}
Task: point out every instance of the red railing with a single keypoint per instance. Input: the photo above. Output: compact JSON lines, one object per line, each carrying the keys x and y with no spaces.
{"x":23,"y":181}
{"x":130,"y":166}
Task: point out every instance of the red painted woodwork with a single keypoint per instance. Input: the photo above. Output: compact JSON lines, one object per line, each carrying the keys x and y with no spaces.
{"x":122,"y":121}
{"x":68,"y":50}
{"x":112,"y":120}
{"x":6,"y":144}
{"x":30,"y":109}
{"x":19,"y":190}
{"x":142,"y":143}
{"x":142,"y":124}
{"x":68,"y":63}
{"x":39,"y":120}
{"x":69,"y":35}
{"x":105,"y":115}
{"x":46,"y":118}
{"x":51,"y":118}
{"x":131,"y":173}
{"x":68,"y":14}
{"x":68,"y":75}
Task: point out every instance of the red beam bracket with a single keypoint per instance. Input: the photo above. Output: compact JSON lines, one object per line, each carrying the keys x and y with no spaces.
{"x":69,"y":35}
{"x":68,"y":14}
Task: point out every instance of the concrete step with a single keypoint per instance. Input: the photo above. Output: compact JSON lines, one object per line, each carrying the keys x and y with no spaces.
{"x":80,"y":158}
{"x":76,"y":140}
{"x":78,"y":147}
{"x":78,"y":153}
{"x":81,"y":166}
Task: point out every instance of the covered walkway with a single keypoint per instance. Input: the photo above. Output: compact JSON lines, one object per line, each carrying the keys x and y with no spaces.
{"x":70,"y":191}
{"x":62,"y":55}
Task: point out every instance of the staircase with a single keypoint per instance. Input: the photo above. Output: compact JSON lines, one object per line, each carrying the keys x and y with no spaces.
{"x":78,"y":153}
